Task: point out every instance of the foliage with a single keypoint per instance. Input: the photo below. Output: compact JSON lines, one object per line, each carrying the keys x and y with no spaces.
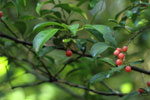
{"x":34,"y":35}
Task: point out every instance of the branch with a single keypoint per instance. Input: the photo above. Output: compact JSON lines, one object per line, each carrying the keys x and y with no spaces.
{"x":140,"y":70}
{"x":86,"y":55}
{"x":14,"y":39}
{"x":28,"y":85}
{"x":74,"y":85}
{"x":30,"y":44}
{"x":8,"y":28}
{"x":70,"y":92}
{"x":91,"y":90}
{"x":45,"y":67}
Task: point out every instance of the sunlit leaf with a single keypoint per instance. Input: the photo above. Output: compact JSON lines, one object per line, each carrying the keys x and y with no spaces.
{"x":45,"y":50}
{"x":108,"y":60}
{"x":98,"y":48}
{"x":73,"y":28}
{"x":103,"y":75}
{"x":43,"y":37}
{"x":46,"y":24}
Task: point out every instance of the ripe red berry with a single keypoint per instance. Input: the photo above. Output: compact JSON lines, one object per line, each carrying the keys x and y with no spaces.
{"x":68,"y":53}
{"x":148,"y":83}
{"x":119,"y":49}
{"x":116,"y":52}
{"x":140,"y":90}
{"x":1,"y":14}
{"x":118,"y":62}
{"x":127,"y":68}
{"x":125,"y":48}
{"x":121,"y":56}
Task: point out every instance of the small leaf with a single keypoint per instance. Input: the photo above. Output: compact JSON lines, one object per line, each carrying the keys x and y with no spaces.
{"x":108,"y":60}
{"x":39,"y":5}
{"x":97,"y":35}
{"x":43,"y":37}
{"x":73,"y":28}
{"x":45,"y":50}
{"x":70,"y":7}
{"x":103,"y":75}
{"x":105,"y":30}
{"x":98,"y":48}
{"x":45,"y":24}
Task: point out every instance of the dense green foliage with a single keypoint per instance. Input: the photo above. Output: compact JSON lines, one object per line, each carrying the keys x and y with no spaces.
{"x":35,"y":34}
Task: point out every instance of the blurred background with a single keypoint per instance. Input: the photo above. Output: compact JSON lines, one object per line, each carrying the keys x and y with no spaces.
{"x":138,"y":50}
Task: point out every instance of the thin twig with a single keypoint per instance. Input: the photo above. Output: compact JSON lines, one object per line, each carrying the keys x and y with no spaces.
{"x":8,"y":28}
{"x":70,"y":61}
{"x":91,"y":90}
{"x":28,"y":85}
{"x":69,"y":91}
{"x":107,"y":86}
{"x":14,"y":39}
{"x":45,"y":67}
{"x":137,"y":33}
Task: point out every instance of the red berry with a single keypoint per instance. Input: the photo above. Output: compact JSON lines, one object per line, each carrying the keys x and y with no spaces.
{"x":140,"y":90}
{"x":125,"y":48}
{"x":1,"y":14}
{"x":68,"y":53}
{"x":116,"y":52}
{"x":119,"y":49}
{"x":127,"y":68}
{"x":121,"y":56}
{"x":148,"y":83}
{"x":118,"y":62}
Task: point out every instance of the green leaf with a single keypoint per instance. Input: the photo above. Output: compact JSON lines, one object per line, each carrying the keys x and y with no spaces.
{"x":108,"y":60}
{"x":103,"y":75}
{"x":105,"y":31}
{"x":19,"y":6}
{"x":70,"y":7}
{"x":27,"y":17}
{"x":8,"y":5}
{"x":39,"y":5}
{"x":81,"y":2}
{"x":97,"y":35}
{"x":92,"y":4}
{"x":73,"y":28}
{"x":98,"y":77}
{"x":45,"y":50}
{"x":136,"y":62}
{"x":21,"y":26}
{"x":98,"y":48}
{"x":43,"y":37}
{"x":46,"y":24}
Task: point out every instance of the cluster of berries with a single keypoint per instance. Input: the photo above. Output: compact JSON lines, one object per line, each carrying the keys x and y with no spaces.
{"x":1,"y":14}
{"x":121,"y":56}
{"x":141,"y":90}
